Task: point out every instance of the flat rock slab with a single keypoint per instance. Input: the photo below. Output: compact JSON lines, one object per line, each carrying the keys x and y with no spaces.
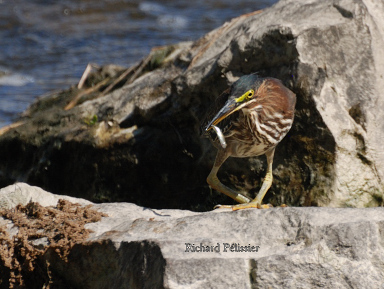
{"x":137,"y":247}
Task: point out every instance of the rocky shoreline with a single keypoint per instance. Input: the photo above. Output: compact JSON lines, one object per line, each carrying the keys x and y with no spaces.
{"x":128,"y":246}
{"x":132,"y":135}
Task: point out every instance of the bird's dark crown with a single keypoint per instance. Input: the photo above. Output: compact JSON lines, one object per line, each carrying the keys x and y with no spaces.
{"x":245,"y":83}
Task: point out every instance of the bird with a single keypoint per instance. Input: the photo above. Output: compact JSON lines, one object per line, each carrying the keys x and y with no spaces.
{"x":248,"y":119}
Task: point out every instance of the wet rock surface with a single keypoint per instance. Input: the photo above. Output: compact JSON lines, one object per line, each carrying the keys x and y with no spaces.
{"x":138,"y":247}
{"x":133,"y":134}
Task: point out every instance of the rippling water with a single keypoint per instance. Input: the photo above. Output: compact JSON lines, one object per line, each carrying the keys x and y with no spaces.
{"x":46,"y":44}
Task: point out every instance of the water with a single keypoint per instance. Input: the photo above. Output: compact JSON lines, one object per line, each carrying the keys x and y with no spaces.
{"x":45,"y":44}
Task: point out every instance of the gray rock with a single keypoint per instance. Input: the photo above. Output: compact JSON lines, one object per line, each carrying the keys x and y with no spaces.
{"x":137,"y":247}
{"x":140,"y":142}
{"x":21,"y":193}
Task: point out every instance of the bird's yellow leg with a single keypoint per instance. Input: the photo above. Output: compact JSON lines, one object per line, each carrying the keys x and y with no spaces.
{"x":215,"y":183}
{"x":256,"y":202}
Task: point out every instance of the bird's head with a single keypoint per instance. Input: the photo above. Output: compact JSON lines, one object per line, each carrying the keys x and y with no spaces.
{"x":242,"y":93}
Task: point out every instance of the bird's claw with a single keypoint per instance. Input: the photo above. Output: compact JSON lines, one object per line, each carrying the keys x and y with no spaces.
{"x":222,"y":207}
{"x":247,"y":206}
{"x":244,"y":206}
{"x":251,"y":205}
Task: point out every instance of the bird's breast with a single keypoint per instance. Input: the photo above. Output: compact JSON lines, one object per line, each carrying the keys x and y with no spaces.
{"x":257,"y":131}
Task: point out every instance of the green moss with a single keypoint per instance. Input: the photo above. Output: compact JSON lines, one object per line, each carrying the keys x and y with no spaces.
{"x":91,"y":121}
{"x":159,"y":56}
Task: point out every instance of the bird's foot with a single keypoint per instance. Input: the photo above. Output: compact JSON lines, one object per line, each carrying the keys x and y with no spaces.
{"x":254,"y":205}
{"x":222,"y":207}
{"x":249,"y":205}
{"x":244,"y":206}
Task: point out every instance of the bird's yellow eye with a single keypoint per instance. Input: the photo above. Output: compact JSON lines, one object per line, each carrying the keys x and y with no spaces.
{"x":246,"y":96}
{"x":250,"y":94}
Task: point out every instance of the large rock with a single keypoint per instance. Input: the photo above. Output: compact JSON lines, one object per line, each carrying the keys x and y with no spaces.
{"x":137,"y":247}
{"x":140,"y":141}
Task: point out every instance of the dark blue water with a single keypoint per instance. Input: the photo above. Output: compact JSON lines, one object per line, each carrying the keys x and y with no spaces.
{"x":46,"y":45}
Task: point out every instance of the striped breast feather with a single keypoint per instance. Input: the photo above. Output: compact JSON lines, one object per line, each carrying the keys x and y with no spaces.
{"x":273,"y":129}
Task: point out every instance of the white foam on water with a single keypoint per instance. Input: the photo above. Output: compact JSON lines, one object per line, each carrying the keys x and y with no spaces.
{"x":151,"y":8}
{"x":173,"y":21}
{"x":15,"y":79}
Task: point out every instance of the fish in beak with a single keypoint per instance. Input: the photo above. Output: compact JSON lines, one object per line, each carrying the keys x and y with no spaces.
{"x":230,"y":107}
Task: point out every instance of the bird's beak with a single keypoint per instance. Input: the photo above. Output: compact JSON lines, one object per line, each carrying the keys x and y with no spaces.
{"x":230,"y":107}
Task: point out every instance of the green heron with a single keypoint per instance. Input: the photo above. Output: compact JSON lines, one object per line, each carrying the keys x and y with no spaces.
{"x":249,"y":119}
